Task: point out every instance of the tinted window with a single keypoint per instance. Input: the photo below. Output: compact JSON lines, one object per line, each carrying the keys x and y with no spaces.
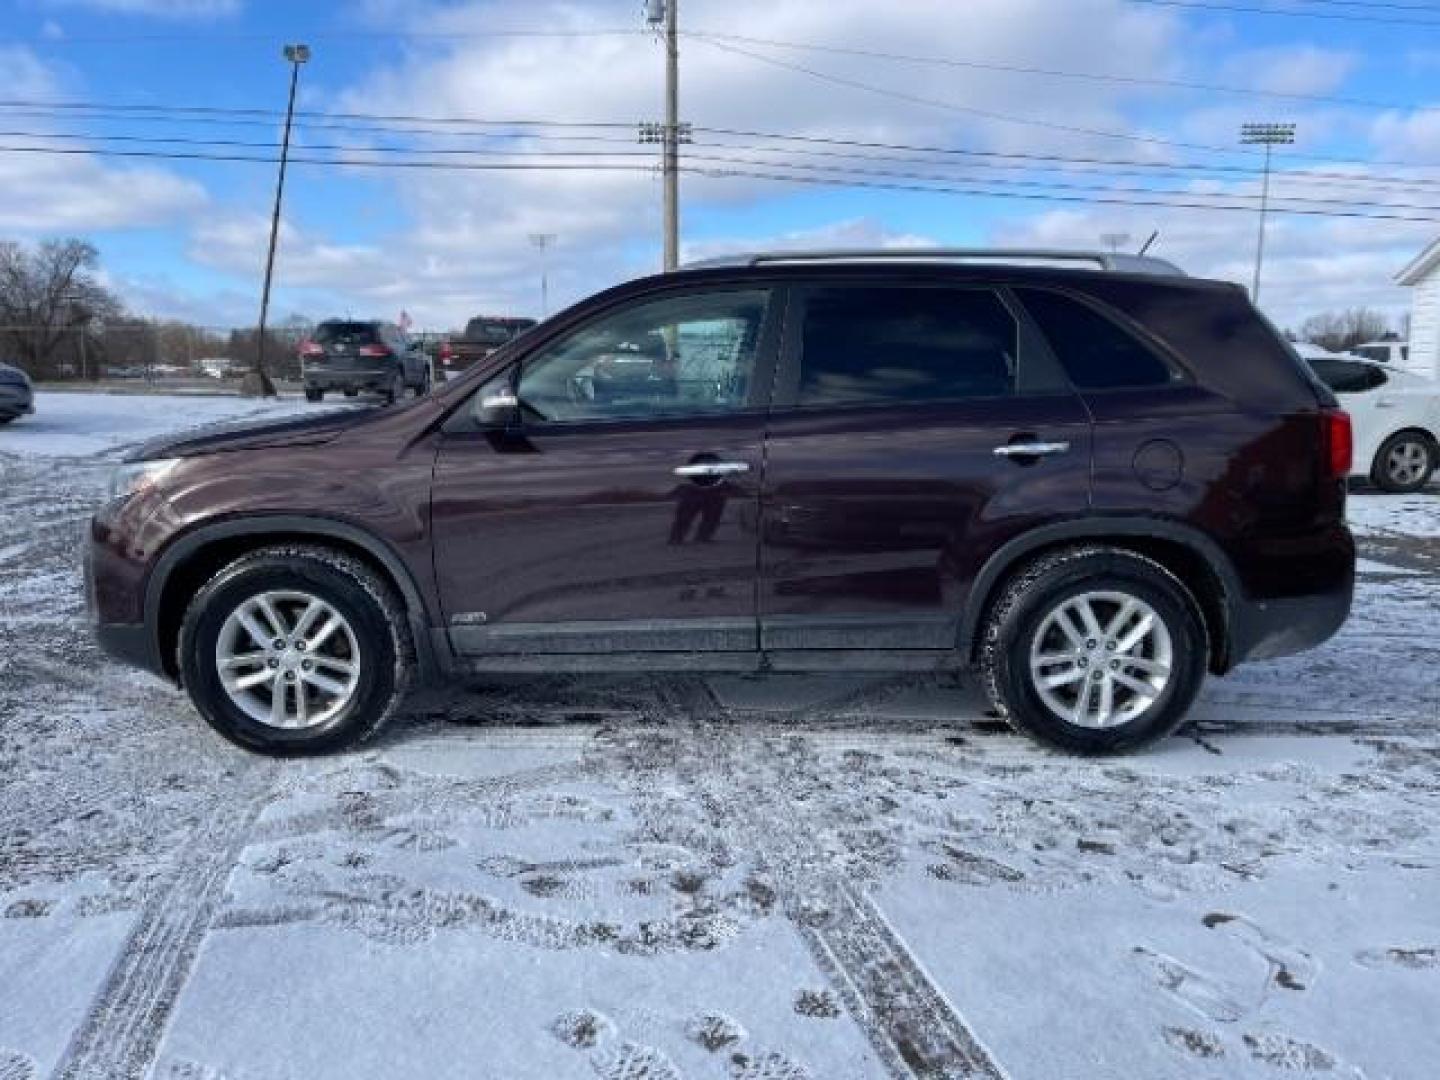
{"x":346,"y":333}
{"x":866,"y":346}
{"x":681,"y":356}
{"x":1096,"y":353}
{"x":1348,"y":377}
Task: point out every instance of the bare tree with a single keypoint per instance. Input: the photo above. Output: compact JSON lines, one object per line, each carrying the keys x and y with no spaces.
{"x":47,"y":293}
{"x":1340,"y":331}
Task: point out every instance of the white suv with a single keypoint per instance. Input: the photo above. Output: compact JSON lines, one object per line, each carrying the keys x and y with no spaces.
{"x":1396,"y":419}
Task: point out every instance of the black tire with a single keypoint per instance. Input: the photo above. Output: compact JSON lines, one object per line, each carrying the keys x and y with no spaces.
{"x":1042,"y":586}
{"x":1388,"y":474}
{"x":377,"y":617}
{"x":395,"y":391}
{"x":424,"y":386}
{"x":314,"y":393}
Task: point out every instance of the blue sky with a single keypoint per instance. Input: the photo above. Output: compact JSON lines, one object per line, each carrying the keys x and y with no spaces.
{"x":185,"y":238}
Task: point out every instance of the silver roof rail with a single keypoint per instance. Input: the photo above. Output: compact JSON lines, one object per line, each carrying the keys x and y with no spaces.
{"x":1111,"y":261}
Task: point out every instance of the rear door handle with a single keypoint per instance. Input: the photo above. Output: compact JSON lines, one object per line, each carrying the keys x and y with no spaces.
{"x":1032,"y":449}
{"x":708,"y":469}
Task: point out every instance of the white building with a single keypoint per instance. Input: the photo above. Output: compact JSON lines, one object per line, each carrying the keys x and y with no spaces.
{"x":1423,"y":275}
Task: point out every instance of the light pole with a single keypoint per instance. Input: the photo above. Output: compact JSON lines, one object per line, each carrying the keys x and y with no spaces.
{"x":1268,"y":136}
{"x":257,"y":383}
{"x":542,"y":241}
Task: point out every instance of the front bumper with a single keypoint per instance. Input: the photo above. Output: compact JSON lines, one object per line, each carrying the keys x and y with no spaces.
{"x":16,"y":401}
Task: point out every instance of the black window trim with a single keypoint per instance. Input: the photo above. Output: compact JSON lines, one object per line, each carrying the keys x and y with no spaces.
{"x":761,"y":384}
{"x":1038,"y":373}
{"x":1168,"y":355}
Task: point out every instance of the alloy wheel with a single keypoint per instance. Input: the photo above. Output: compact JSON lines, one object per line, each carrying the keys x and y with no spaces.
{"x":1101,"y":659}
{"x":288,"y":660}
{"x":1407,"y":462}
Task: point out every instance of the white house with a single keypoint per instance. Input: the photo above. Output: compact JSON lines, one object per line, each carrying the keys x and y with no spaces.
{"x":1423,"y":275}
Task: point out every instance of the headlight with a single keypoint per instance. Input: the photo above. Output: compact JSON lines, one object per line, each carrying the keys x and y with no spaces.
{"x":135,"y":477}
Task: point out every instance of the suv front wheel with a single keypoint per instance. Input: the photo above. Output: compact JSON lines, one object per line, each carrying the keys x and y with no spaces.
{"x":295,"y":650}
{"x":1094,"y":650}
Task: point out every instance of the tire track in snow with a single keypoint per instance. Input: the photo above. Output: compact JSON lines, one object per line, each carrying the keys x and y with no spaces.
{"x":908,"y":1021}
{"x":119,"y":1036}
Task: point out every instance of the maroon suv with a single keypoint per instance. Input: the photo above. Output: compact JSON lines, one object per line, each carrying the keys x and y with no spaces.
{"x":1093,"y":480}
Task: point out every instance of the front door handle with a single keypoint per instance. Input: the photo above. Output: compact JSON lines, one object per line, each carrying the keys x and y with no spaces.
{"x":1032,"y":449}
{"x":706,"y":470}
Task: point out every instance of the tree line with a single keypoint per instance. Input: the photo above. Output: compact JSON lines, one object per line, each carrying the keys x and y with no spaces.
{"x":58,"y":320}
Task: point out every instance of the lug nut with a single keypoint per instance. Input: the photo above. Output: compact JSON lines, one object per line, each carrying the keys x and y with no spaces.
{"x":1098,"y":676}
{"x":1083,"y":662}
{"x":1115,"y":665}
{"x":306,"y":665}
{"x":279,"y":644}
{"x":1110,"y":645}
{"x":299,"y":646}
{"x":1091,"y":643}
{"x":289,"y":676}
{"x":274,"y":663}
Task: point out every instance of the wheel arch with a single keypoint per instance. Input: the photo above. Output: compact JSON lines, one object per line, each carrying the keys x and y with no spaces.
{"x":1196,"y":560}
{"x":193,"y":558}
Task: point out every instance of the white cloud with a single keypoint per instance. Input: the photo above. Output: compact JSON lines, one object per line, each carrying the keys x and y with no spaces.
{"x":467,"y":247}
{"x":47,"y":193}
{"x":1290,"y":69}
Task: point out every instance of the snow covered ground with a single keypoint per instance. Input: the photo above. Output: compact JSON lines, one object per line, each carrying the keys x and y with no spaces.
{"x":654,"y":878}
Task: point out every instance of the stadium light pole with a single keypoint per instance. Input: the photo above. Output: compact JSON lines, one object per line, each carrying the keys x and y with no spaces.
{"x":543,"y":241}
{"x":257,"y":383}
{"x":1268,"y":136}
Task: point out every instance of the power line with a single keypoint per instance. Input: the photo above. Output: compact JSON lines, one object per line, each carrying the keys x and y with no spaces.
{"x":951,"y":106}
{"x":1064,"y":167}
{"x":1251,"y":9}
{"x":1057,"y":73}
{"x":817,"y":181}
{"x":834,"y":178}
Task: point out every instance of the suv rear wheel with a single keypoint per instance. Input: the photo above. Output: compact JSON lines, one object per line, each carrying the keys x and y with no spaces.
{"x":1094,"y":650}
{"x":1404,"y":462}
{"x":295,"y":650}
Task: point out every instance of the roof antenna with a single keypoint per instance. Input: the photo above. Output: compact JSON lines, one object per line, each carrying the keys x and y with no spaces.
{"x":1145,"y":248}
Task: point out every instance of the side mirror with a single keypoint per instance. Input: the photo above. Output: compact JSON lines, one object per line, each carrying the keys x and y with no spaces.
{"x":498,"y":408}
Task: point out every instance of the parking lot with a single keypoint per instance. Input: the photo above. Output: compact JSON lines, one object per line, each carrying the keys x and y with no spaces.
{"x":708,"y":877}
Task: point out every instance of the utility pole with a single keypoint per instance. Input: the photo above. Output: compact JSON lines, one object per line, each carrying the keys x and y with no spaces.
{"x":664,"y":14}
{"x":543,"y":241}
{"x":257,"y":383}
{"x":1268,"y":136}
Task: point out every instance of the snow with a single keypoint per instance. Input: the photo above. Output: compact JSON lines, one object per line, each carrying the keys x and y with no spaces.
{"x":77,"y":425}
{"x":787,"y":877}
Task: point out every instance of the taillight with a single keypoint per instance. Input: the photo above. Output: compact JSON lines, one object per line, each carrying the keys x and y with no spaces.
{"x":374,"y":350}
{"x":1340,"y":442}
{"x":446,"y":352}
{"x":309,"y":350}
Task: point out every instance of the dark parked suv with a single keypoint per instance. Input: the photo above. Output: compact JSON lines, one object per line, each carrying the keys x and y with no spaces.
{"x":1092,"y":478}
{"x":377,"y":357}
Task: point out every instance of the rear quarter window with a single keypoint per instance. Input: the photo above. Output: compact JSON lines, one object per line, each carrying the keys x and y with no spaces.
{"x":1095,"y":351}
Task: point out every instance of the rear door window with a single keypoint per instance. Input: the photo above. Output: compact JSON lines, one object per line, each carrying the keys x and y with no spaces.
{"x":1096,"y":352}
{"x":905,"y":346}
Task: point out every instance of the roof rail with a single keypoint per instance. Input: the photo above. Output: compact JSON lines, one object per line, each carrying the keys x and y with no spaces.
{"x":1111,"y":261}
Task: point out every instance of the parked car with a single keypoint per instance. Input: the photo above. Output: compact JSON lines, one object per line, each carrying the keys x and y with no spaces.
{"x":483,"y":335}
{"x":1089,"y":477}
{"x":1394,"y":353}
{"x":375,"y":357}
{"x":1396,"y":416}
{"x":17,"y":396}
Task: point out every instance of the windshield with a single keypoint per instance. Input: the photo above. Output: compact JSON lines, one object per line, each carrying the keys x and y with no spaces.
{"x":346,"y":333}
